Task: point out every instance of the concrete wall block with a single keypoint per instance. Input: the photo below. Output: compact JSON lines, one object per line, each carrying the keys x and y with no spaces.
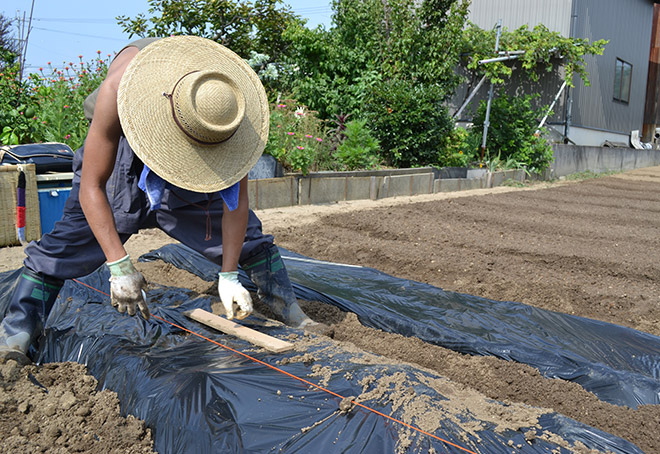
{"x":647,"y":158}
{"x":384,"y":188}
{"x":273,"y":192}
{"x":516,"y":175}
{"x":449,"y":184}
{"x":400,"y":185}
{"x":423,"y":184}
{"x":359,"y":188}
{"x":471,"y":183}
{"x":610,"y":159}
{"x":571,"y":159}
{"x":476,"y":173}
{"x":510,"y":175}
{"x":497,"y":178}
{"x":322,"y":190}
{"x":629,"y":161}
{"x":406,"y":185}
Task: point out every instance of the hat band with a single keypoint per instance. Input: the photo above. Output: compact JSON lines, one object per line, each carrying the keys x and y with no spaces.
{"x":180,"y":125}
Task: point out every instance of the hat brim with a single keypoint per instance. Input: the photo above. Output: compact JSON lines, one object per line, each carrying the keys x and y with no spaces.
{"x":147,"y":121}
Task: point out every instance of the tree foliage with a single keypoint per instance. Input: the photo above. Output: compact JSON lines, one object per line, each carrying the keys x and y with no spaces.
{"x":241,"y":25}
{"x":542,"y":50}
{"x":383,"y":54}
{"x":410,"y":121}
{"x":371,"y":42}
{"x":8,"y":45}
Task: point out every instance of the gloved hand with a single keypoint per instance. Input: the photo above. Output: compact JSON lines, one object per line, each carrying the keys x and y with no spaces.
{"x":127,"y":287}
{"x":231,"y":291}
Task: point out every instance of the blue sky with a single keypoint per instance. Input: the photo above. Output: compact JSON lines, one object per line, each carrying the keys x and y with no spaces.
{"x":61,"y":31}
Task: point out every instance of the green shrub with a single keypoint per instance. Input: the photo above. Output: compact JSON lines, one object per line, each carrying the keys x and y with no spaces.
{"x":456,"y":152}
{"x":359,"y":149}
{"x":512,"y":133}
{"x":16,"y":108}
{"x":410,"y":122}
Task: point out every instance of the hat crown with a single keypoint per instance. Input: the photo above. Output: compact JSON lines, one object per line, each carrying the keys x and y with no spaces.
{"x":208,"y":106}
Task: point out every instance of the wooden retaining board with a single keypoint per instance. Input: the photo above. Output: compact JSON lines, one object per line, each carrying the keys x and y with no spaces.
{"x":232,"y":328}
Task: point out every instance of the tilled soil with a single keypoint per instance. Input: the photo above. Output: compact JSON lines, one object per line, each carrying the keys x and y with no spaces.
{"x":56,"y":408}
{"x":586,"y":248}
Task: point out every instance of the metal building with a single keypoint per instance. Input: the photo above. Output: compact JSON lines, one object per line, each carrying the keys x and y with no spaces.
{"x":623,"y":96}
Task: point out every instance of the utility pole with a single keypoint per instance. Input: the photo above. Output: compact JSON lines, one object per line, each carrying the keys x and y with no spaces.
{"x":23,"y":36}
{"x":653,"y":79}
{"x":490,"y":94}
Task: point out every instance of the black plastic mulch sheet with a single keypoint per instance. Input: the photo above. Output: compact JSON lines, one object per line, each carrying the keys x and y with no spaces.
{"x":199,"y":397}
{"x":618,"y":364}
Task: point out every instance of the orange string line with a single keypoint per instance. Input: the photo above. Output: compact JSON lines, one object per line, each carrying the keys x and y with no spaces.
{"x":298,"y":378}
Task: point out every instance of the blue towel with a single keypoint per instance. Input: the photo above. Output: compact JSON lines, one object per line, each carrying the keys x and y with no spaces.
{"x":230,"y":196}
{"x":154,"y":186}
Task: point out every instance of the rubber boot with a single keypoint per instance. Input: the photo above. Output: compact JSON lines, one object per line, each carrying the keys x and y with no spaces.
{"x":266,"y":270}
{"x":26,"y":315}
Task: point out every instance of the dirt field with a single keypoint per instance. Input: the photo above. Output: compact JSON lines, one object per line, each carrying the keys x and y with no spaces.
{"x":587,"y":248}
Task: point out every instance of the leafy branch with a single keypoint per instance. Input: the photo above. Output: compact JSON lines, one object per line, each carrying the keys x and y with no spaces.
{"x":539,"y":48}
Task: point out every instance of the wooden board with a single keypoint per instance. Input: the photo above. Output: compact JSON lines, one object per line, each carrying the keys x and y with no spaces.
{"x":242,"y":332}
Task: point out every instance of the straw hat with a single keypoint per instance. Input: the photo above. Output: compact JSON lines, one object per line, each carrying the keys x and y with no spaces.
{"x":194,"y":112}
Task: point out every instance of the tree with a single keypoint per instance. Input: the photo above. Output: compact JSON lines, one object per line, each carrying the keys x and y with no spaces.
{"x":241,"y":25}
{"x":388,"y":61}
{"x":514,"y":139}
{"x":372,"y":41}
{"x":8,"y":45}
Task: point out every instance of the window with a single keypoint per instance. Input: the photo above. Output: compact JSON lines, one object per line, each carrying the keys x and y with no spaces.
{"x":622,"y":79}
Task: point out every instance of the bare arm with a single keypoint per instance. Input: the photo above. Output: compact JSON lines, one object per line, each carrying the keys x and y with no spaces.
{"x":234,"y":226}
{"x":99,"y":160}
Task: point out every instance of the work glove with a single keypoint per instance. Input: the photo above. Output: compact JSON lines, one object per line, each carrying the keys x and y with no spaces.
{"x":231,"y":291}
{"x":127,"y":287}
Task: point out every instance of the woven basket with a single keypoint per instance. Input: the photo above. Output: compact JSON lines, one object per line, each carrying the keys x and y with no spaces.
{"x":8,"y":183}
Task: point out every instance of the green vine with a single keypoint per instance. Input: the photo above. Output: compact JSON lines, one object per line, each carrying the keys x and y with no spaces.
{"x":542,"y":49}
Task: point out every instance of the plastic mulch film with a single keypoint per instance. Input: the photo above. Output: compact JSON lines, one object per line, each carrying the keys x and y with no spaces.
{"x":619,"y":365}
{"x":197,"y":396}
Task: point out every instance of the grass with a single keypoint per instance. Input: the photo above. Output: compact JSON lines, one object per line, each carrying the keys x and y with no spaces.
{"x":516,"y":184}
{"x":589,"y":174}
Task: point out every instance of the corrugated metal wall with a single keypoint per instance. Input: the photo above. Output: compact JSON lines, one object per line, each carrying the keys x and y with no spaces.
{"x":627,"y":24}
{"x":554,"y":14}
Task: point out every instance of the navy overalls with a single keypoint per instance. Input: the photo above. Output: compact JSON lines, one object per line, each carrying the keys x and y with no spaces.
{"x":70,"y":250}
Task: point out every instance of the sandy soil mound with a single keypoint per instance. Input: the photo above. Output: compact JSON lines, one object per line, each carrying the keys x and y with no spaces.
{"x":56,"y":408}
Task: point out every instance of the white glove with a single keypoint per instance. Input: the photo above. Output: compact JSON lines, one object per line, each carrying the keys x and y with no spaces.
{"x":231,"y":291}
{"x":127,"y":288}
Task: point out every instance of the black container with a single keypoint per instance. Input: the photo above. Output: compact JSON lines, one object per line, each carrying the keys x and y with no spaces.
{"x":48,"y":157}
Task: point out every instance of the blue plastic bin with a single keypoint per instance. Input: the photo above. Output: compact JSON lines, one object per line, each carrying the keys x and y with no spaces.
{"x":51,"y":206}
{"x":53,"y":190}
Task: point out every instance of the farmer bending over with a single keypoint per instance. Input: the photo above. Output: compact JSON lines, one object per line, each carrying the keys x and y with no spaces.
{"x":175,"y":128}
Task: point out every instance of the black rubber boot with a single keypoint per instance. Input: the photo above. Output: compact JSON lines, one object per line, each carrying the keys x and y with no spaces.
{"x":26,"y":315}
{"x":266,"y":269}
